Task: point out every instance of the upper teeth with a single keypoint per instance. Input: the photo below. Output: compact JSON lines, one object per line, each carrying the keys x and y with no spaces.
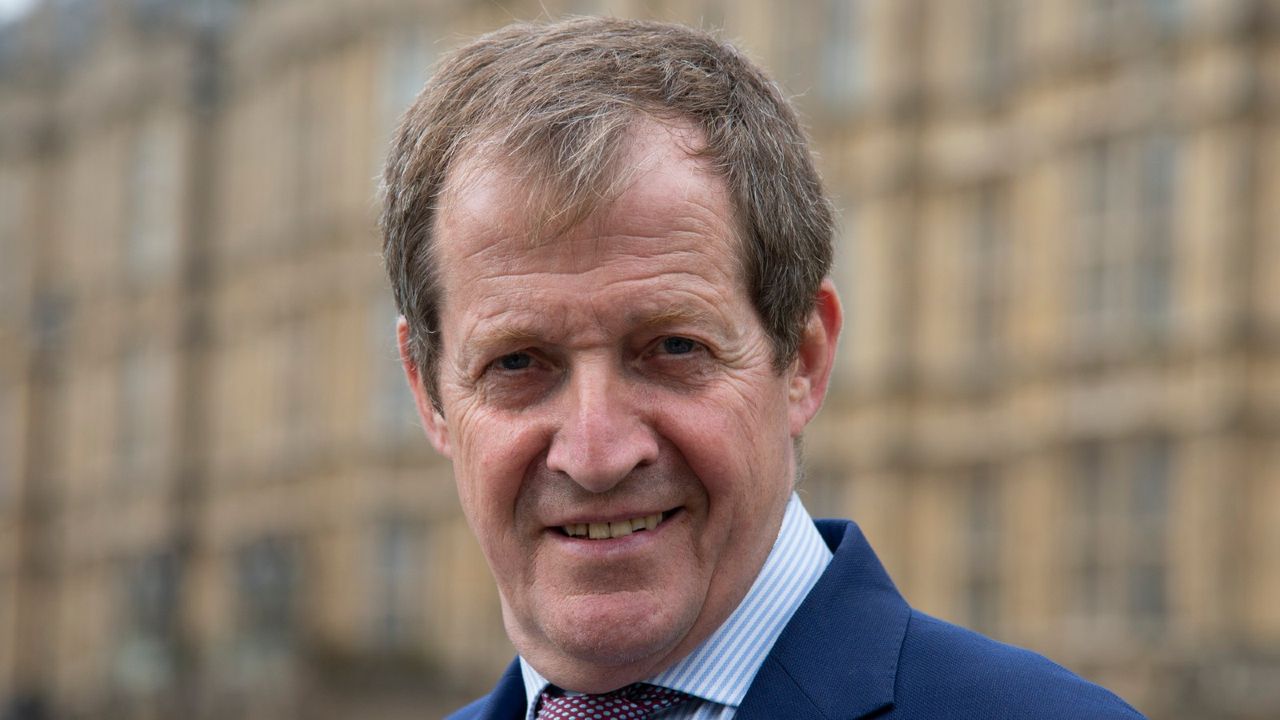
{"x":606,"y":530}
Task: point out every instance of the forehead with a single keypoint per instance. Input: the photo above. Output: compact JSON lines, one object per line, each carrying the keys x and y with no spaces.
{"x":655,"y":185}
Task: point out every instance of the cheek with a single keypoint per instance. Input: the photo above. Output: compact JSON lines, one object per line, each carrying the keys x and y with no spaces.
{"x":735,"y":442}
{"x":491,"y":458}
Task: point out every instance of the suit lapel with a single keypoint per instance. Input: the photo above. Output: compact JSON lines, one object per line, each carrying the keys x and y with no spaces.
{"x":838,"y":657}
{"x":507,"y":701}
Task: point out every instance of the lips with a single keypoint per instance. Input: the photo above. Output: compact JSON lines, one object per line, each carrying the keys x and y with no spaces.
{"x":615,"y":529}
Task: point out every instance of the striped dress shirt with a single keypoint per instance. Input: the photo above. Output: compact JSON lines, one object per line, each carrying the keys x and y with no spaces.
{"x":719,"y":671}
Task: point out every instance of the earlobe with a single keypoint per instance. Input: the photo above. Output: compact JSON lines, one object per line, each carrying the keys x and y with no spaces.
{"x":433,"y":423}
{"x":815,"y":358}
{"x":436,"y":428}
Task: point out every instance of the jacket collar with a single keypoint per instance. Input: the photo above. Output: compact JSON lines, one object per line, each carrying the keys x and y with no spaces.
{"x":838,"y":657}
{"x":507,"y":700}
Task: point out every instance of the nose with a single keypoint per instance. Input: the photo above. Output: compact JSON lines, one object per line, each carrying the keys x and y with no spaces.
{"x":602,"y":436}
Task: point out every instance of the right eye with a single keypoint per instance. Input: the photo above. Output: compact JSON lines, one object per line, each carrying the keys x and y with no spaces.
{"x":676,"y":345}
{"x":512,"y":362}
{"x":517,"y":379}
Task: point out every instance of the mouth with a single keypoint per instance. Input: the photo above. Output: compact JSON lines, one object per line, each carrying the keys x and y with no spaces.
{"x":617,"y":528}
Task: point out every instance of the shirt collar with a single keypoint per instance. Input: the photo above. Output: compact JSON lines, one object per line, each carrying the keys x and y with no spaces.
{"x":721,"y":669}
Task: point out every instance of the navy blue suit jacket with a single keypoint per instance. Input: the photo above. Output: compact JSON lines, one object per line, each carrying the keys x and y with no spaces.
{"x":855,"y":649}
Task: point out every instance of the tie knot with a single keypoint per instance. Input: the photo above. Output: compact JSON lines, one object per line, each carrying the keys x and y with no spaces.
{"x":633,"y":702}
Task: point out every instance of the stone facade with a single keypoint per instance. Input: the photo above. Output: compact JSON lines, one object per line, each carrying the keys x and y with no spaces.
{"x":1055,"y":413}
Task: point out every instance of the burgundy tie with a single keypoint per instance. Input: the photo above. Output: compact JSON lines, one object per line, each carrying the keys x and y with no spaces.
{"x":633,"y":702}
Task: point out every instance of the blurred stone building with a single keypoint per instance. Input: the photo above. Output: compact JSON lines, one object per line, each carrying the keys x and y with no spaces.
{"x":1057,"y":413}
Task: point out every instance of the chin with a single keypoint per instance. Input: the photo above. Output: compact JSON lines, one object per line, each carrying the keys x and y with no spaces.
{"x":598,"y":643}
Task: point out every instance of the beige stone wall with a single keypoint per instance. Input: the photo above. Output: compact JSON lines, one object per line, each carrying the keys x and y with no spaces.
{"x":199,"y":394}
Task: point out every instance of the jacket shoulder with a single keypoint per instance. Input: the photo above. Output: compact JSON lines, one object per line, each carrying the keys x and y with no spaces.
{"x":947,"y":671}
{"x":472,"y":710}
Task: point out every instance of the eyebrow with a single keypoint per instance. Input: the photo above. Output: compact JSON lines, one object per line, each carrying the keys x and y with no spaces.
{"x":501,"y":335}
{"x":670,"y":315}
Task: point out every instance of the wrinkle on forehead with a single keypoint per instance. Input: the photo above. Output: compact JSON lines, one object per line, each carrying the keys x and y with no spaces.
{"x":541,"y":208}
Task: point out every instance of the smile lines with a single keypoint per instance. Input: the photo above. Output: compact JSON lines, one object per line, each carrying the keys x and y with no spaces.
{"x":608,"y":530}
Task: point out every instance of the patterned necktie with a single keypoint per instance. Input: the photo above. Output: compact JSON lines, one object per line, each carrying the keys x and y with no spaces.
{"x":633,"y":702}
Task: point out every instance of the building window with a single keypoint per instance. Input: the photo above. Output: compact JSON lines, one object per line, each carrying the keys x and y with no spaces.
{"x":395,"y":416}
{"x":143,"y":660}
{"x":712,"y":14}
{"x":399,"y":583}
{"x":1165,"y":14}
{"x":1096,"y":261}
{"x":1120,"y":536}
{"x":9,"y":452}
{"x":407,"y":60}
{"x":990,"y":272}
{"x":841,"y":68}
{"x":153,"y":196}
{"x":1102,"y":20}
{"x":1088,"y":527}
{"x":823,"y":488}
{"x":309,"y":139}
{"x":75,"y":23}
{"x":845,"y":269}
{"x":269,"y":585}
{"x":1148,"y":523}
{"x":1126,"y":254}
{"x":134,"y":430}
{"x":1154,"y":261}
{"x":995,"y":45}
{"x":14,"y":258}
{"x":145,"y":390}
{"x":985,"y":538}
{"x":296,"y":365}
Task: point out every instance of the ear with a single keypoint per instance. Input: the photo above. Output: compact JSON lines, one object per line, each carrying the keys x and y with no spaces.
{"x":815,"y":358}
{"x":433,"y":423}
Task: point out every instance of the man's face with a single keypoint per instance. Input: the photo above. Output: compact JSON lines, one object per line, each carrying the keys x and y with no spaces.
{"x":620,"y":439}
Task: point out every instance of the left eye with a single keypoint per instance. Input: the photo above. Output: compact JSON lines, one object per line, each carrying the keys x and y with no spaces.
{"x":678,"y":345}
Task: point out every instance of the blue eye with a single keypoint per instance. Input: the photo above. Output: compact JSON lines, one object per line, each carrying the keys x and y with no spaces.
{"x":678,"y":345}
{"x":515,"y":361}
